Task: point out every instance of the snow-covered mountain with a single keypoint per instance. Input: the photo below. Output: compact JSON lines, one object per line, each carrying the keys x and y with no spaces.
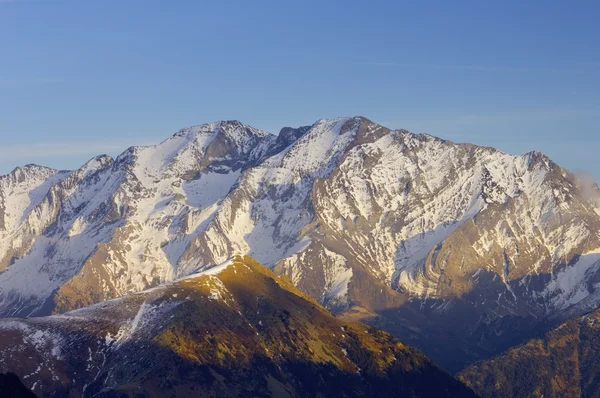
{"x":430,"y":239}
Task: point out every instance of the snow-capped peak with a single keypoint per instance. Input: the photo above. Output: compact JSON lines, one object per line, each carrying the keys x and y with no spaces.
{"x":336,"y":206}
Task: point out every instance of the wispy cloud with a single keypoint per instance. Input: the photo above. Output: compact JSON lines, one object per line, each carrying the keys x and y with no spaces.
{"x":483,"y":68}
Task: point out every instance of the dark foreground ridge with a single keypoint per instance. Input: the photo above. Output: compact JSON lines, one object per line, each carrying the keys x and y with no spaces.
{"x":11,"y":387}
{"x":238,"y":330}
{"x":564,"y":362}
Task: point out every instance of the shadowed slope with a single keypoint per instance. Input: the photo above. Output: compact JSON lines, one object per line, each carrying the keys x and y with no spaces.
{"x":564,"y":362}
{"x":12,"y":387}
{"x":236,"y":330}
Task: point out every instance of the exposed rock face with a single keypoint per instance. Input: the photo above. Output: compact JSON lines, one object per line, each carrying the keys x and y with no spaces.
{"x":459,"y":249}
{"x":117,"y":226}
{"x":564,"y":362}
{"x":237,"y":330}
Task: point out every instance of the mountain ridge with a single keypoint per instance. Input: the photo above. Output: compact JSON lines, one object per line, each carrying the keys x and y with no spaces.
{"x":234,"y":330}
{"x":395,"y":226}
{"x":560,"y":362}
{"x":284,"y":131}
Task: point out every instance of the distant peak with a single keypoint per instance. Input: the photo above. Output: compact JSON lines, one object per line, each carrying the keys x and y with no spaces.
{"x":363,"y":119}
{"x":30,"y":168}
{"x":334,"y":120}
{"x":96,"y":163}
{"x":535,"y":154}
{"x":227,"y":127}
{"x":535,"y":157}
{"x":237,"y":127}
{"x":232,"y":123}
{"x":104,"y":158}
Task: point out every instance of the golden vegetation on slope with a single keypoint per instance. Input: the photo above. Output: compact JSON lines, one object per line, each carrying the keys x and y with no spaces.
{"x":238,"y":331}
{"x":565,"y":362}
{"x":255,"y":318}
{"x":245,"y":318}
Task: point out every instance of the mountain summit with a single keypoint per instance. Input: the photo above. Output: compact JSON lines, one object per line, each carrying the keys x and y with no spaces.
{"x":458,"y":249}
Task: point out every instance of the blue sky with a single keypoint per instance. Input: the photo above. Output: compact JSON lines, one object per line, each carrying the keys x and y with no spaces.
{"x":83,"y":77}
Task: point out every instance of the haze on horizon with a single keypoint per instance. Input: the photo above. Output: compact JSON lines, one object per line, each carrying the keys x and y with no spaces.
{"x":78,"y":79}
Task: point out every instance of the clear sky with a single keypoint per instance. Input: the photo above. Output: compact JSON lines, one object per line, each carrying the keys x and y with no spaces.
{"x":84,"y":77}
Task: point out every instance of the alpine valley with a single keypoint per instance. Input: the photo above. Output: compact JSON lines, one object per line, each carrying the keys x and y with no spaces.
{"x":459,"y":250}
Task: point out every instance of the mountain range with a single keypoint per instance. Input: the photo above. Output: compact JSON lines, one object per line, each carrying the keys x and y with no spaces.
{"x":459,"y":250}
